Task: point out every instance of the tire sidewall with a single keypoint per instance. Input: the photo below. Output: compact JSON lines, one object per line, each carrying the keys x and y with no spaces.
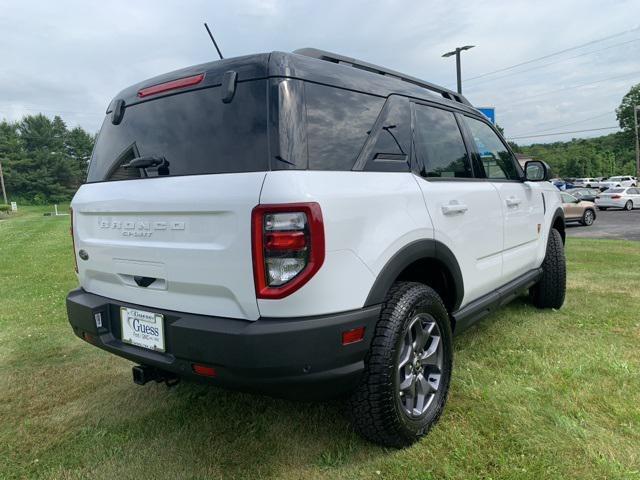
{"x":419,"y":426}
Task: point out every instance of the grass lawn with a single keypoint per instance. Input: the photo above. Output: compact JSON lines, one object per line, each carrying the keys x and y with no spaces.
{"x":535,"y":394}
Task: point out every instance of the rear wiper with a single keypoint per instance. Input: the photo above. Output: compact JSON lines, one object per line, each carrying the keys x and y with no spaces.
{"x":150,"y":161}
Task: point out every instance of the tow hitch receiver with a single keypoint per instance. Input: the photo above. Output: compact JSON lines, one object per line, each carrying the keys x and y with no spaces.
{"x":142,"y":374}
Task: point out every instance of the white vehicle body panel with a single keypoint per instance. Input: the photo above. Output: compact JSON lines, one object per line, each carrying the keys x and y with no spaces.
{"x":191,"y":233}
{"x":368,"y":217}
{"x":474,"y":233}
{"x":522,"y":212}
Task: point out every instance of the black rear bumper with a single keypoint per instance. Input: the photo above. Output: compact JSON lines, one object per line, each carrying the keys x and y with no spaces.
{"x":301,"y":358}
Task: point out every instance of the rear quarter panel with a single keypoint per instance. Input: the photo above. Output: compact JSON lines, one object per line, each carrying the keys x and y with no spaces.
{"x":368,"y":216}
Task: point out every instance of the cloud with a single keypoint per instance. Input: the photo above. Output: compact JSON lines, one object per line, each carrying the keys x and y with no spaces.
{"x":72,"y":56}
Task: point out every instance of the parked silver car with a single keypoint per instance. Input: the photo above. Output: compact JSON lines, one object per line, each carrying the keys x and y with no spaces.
{"x":625,"y":198}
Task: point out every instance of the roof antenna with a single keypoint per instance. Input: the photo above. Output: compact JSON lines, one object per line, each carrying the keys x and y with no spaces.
{"x":213,"y":40}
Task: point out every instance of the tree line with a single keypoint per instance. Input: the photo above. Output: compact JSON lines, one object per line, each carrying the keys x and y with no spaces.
{"x":603,"y":156}
{"x":44,"y":161}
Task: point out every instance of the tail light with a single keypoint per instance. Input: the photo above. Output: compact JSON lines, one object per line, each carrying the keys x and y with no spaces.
{"x":288,"y":247}
{"x":616,"y":197}
{"x":73,"y":240}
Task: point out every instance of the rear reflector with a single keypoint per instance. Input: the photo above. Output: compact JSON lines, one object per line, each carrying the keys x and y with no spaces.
{"x":204,"y":370}
{"x":172,"y":85}
{"x":89,"y":338}
{"x":352,"y":336}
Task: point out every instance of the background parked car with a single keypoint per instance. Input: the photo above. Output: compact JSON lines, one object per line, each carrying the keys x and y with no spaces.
{"x":576,"y":210}
{"x":587,"y":194}
{"x":626,"y":198}
{"x":562,"y":184}
{"x":586,"y":182}
{"x":619,"y":181}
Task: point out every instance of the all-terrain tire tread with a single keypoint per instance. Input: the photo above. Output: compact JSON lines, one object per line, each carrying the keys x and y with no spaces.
{"x":550,"y":290}
{"x":372,"y":405}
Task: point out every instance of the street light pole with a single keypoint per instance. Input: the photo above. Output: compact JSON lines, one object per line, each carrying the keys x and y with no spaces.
{"x":456,"y":52}
{"x":4,"y":192}
{"x":635,"y":118}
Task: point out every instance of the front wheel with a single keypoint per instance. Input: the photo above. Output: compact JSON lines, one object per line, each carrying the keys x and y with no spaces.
{"x":405,"y":384}
{"x":588,"y":217}
{"x":550,"y":290}
{"x":628,"y":206}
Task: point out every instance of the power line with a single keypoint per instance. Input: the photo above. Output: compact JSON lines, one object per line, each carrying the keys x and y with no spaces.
{"x":572,"y":123}
{"x":527,"y":99}
{"x":553,"y":54}
{"x":555,"y":63}
{"x":563,"y":133}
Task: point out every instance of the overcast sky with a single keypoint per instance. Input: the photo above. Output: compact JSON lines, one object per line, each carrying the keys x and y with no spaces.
{"x":70,"y":57}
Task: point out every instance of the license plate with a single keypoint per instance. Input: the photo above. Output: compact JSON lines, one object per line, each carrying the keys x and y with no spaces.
{"x":143,"y":329}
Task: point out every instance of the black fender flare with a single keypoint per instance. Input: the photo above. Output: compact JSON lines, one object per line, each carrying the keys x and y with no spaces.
{"x":417,"y":250}
{"x":559,"y":213}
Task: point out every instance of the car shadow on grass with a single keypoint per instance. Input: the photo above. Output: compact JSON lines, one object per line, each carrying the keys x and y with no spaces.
{"x":211,"y":432}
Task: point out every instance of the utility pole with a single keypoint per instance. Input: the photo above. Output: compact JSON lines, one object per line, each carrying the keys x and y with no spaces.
{"x":635,"y":118}
{"x":456,"y":52}
{"x":4,"y":192}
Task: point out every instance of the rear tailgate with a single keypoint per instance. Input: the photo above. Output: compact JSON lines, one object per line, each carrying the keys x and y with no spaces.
{"x":191,"y":234}
{"x":173,"y":230}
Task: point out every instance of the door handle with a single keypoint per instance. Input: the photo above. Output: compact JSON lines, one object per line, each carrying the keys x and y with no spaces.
{"x":453,"y":208}
{"x":513,"y":202}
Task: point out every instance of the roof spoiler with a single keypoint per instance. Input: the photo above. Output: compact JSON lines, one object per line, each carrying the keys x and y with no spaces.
{"x":370,"y":67}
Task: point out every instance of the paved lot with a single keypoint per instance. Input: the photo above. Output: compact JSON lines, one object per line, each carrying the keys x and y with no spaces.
{"x":614,"y":224}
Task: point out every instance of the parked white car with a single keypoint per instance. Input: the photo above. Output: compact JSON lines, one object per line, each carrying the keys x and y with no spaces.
{"x":586,"y":182}
{"x":626,"y":198}
{"x":621,"y":181}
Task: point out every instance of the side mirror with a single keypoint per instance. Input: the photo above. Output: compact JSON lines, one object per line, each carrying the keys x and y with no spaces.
{"x":536,"y":171}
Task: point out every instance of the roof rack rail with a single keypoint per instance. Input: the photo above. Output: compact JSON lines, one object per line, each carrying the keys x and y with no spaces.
{"x":369,"y":67}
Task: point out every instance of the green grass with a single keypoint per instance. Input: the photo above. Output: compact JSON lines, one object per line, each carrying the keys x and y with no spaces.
{"x":535,"y":394}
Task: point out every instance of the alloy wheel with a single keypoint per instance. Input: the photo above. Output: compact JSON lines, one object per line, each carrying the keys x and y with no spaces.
{"x":420,"y":365}
{"x":588,"y":217}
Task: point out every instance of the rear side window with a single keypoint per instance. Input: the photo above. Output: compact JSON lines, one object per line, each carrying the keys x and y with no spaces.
{"x":496,"y":159}
{"x":439,"y":148}
{"x":338,"y":124}
{"x":194,"y":131}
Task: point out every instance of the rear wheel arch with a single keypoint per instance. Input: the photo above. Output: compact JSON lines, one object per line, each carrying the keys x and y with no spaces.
{"x":558,"y":223}
{"x":425,"y":261}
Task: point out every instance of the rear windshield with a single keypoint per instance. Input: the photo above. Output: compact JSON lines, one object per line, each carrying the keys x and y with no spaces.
{"x":194,"y":131}
{"x":616,"y":190}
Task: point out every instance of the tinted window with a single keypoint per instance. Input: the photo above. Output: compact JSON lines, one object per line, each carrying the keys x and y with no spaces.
{"x":496,"y":159}
{"x":388,"y":147}
{"x":338,"y":124}
{"x":439,"y":148}
{"x":194,"y":131}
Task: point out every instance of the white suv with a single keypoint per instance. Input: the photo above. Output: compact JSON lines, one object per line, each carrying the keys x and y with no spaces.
{"x":586,"y":182}
{"x":306,"y":225}
{"x":621,"y":181}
